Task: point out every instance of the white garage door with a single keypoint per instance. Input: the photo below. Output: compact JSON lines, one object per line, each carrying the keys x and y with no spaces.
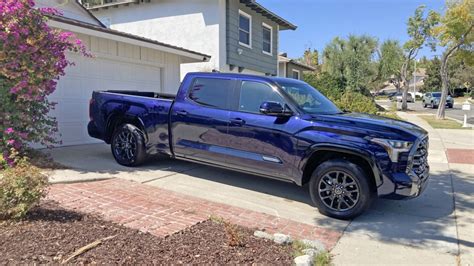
{"x":75,"y":89}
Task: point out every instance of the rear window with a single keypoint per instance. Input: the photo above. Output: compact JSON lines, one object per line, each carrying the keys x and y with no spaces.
{"x":211,"y":92}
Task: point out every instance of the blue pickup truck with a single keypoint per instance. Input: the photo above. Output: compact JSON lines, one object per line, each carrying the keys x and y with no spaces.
{"x":272,"y":127}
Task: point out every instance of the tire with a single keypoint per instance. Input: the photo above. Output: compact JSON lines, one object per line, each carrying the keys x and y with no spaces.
{"x":434,"y":106}
{"x":424,"y":105}
{"x":450,"y":106}
{"x":324,"y":195}
{"x":128,"y":145}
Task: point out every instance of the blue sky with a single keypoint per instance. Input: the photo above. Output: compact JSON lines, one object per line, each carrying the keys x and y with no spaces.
{"x":319,"y":21}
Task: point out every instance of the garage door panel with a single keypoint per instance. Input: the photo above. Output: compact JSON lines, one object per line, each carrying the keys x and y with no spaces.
{"x":75,"y":89}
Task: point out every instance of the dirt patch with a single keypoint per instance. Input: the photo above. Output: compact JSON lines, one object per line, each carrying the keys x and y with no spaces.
{"x":51,"y":234}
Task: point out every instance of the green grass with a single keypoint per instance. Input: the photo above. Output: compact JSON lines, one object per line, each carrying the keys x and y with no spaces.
{"x":392,"y":115}
{"x":443,"y":123}
{"x":322,"y":259}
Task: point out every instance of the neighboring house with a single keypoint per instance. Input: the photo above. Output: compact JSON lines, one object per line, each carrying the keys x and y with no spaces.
{"x":120,"y":61}
{"x":240,"y":35}
{"x":415,"y":83}
{"x":290,"y":68}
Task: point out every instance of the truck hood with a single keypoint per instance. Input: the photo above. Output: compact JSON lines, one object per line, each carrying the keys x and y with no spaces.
{"x":371,"y":126}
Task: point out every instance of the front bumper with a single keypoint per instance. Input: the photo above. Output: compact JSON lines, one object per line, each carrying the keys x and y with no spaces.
{"x":412,"y":182}
{"x":403,"y":186}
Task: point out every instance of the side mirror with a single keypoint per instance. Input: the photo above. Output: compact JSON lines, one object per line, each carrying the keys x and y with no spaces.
{"x":274,"y":109}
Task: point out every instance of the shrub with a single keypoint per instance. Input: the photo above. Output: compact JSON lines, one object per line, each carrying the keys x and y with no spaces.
{"x":32,"y":59}
{"x":356,"y":102}
{"x":21,"y":188}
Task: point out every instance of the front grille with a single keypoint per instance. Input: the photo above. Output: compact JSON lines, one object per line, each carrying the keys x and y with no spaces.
{"x":419,"y":163}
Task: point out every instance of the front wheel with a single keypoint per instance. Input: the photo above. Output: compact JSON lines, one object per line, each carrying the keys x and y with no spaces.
{"x":128,"y":145}
{"x":340,"y":189}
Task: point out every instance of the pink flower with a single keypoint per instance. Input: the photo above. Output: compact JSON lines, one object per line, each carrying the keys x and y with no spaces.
{"x":9,"y":130}
{"x":11,"y":142}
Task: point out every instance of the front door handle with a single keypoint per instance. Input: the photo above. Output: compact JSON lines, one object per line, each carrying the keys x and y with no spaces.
{"x":237,"y":121}
{"x":182,"y":113}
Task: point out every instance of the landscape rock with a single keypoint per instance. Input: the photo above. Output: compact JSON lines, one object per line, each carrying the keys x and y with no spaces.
{"x":311,"y":252}
{"x":281,"y":239}
{"x":314,"y":244}
{"x":262,"y":234}
{"x":304,"y":260}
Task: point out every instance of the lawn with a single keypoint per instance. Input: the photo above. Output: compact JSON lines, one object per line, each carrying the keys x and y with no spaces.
{"x":443,"y":124}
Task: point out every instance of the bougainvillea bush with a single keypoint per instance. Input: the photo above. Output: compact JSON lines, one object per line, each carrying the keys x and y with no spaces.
{"x":32,"y":59}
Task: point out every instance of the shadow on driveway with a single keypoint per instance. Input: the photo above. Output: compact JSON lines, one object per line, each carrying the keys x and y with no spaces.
{"x":424,"y":222}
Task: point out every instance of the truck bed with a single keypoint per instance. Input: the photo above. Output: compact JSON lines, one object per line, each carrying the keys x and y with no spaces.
{"x":145,"y":94}
{"x":147,"y":110}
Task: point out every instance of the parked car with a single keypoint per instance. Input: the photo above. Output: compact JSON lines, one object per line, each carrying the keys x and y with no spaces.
{"x":272,"y":127}
{"x":398,"y":97}
{"x":433,"y":98}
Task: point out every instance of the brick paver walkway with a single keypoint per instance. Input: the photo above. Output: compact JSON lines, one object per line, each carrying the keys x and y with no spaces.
{"x":464,"y":156}
{"x":162,"y":212}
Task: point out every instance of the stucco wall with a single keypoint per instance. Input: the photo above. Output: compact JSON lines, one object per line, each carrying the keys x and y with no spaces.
{"x":251,"y":58}
{"x":193,"y":25}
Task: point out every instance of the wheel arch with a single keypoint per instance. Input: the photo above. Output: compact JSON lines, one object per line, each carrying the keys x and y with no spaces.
{"x":322,"y":153}
{"x":117,"y":119}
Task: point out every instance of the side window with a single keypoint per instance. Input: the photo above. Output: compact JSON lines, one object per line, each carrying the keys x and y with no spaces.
{"x":253,"y":94}
{"x":211,"y":92}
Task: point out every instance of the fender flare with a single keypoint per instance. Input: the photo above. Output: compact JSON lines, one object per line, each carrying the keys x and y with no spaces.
{"x":124,"y":118}
{"x":369,"y":158}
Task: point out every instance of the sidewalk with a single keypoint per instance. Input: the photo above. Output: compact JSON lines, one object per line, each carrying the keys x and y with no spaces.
{"x":441,"y":225}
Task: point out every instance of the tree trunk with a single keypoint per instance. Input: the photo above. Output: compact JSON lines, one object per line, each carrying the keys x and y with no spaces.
{"x":404,"y":84}
{"x":444,"y":87}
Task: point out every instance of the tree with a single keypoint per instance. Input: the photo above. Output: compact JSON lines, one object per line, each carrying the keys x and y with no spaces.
{"x":351,"y":61}
{"x":32,"y":58}
{"x":419,"y":31}
{"x":454,"y":32}
{"x":433,"y":80}
{"x":390,"y":63}
{"x":311,"y":58}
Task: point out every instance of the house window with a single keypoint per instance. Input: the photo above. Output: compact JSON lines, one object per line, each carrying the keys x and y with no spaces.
{"x":267,"y":39}
{"x":245,"y":29}
{"x":296,"y":74}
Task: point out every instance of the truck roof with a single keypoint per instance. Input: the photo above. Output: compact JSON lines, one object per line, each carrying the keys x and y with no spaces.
{"x":246,"y":76}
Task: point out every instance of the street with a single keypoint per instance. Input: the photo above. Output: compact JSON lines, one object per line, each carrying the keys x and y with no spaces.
{"x":455,"y":113}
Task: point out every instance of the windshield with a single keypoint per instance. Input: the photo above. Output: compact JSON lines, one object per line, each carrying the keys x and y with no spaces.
{"x":437,"y":94}
{"x":308,"y":99}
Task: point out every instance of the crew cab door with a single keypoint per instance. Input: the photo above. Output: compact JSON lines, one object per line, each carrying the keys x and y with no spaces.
{"x":200,"y":119}
{"x":260,"y":143}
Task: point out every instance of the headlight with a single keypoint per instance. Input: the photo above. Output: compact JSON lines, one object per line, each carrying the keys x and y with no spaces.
{"x":394,"y":147}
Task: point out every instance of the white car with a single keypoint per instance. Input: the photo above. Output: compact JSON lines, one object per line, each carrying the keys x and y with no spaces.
{"x":399,"y":96}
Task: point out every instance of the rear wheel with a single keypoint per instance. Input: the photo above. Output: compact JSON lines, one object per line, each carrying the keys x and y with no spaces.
{"x":340,"y":189}
{"x":450,"y":106}
{"x":128,"y":145}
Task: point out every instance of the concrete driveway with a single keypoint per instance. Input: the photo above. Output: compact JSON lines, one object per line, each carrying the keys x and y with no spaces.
{"x":418,"y":230}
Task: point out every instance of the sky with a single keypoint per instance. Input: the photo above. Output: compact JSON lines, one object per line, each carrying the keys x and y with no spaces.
{"x":319,"y":21}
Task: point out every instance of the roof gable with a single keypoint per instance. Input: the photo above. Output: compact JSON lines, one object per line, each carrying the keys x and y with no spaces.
{"x":71,"y":9}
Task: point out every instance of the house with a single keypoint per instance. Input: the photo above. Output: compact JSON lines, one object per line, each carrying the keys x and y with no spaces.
{"x":415,"y":84}
{"x":290,"y":68}
{"x":121,"y":61}
{"x":240,"y":35}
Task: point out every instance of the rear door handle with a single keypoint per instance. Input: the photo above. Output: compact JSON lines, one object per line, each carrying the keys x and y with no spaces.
{"x":182,"y":113}
{"x":237,"y":121}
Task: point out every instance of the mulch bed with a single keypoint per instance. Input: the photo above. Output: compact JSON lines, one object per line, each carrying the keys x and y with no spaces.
{"x":51,"y":234}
